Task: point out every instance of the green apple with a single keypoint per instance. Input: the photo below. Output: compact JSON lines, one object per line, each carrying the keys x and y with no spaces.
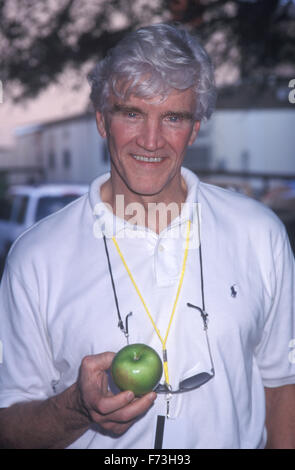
{"x":137,"y":367}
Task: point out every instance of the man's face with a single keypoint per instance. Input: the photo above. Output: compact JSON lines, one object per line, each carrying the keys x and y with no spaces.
{"x":147,"y":140}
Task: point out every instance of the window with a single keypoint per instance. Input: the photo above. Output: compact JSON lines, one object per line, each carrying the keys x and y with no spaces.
{"x":5,"y":208}
{"x":67,"y":160}
{"x":51,"y":161}
{"x":21,"y":205}
{"x":49,"y":204}
{"x":198,"y":158}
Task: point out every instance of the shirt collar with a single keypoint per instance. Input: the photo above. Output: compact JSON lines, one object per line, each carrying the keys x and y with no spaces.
{"x":109,"y":224}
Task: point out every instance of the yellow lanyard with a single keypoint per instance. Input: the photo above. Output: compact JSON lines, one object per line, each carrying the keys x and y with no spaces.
{"x":163,"y":341}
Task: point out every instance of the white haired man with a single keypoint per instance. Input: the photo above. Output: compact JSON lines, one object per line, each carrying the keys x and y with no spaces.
{"x":227,"y":383}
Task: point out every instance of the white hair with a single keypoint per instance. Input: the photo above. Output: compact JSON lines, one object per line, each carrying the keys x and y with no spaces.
{"x":153,"y":61}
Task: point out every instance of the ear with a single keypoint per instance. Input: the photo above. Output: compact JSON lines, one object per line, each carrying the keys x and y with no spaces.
{"x":195,"y":131}
{"x":100,"y":122}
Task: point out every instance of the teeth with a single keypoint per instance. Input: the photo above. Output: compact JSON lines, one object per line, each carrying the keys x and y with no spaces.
{"x":147,"y":159}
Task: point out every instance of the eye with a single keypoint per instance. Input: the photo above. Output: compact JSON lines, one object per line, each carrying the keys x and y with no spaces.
{"x":174,"y":118}
{"x":131,"y":114}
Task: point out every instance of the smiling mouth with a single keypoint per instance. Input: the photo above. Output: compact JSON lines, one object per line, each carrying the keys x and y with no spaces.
{"x":142,"y":158}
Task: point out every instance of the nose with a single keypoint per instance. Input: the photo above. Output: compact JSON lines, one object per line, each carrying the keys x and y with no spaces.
{"x":150,"y":136}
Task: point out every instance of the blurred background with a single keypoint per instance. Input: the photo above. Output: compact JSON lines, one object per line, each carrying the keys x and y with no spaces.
{"x":49,"y":147}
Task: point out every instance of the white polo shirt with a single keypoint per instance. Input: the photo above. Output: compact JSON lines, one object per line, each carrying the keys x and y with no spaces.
{"x":57,"y":306}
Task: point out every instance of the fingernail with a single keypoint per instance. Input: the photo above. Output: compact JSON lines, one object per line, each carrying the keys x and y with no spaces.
{"x":152,"y":396}
{"x":130,"y":396}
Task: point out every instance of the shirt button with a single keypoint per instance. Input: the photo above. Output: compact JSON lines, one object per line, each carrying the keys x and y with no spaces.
{"x":161,"y":248}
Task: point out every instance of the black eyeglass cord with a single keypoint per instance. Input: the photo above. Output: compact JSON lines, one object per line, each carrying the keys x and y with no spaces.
{"x":202,"y":276}
{"x":201,"y":261}
{"x":120,"y":323}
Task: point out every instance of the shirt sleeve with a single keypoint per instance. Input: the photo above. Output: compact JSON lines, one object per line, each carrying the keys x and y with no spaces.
{"x":26,"y":367}
{"x":275,"y":353}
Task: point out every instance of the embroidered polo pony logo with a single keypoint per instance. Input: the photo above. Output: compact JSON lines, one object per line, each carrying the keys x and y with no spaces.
{"x":233,"y":291}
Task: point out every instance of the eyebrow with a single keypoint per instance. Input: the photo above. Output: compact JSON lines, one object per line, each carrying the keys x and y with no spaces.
{"x":181,"y":114}
{"x":122,"y":108}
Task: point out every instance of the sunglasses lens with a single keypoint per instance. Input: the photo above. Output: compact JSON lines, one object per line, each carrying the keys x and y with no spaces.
{"x":161,"y":388}
{"x":187,"y":384}
{"x":195,"y":381}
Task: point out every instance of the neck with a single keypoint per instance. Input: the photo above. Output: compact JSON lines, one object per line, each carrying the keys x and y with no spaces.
{"x":155,"y":211}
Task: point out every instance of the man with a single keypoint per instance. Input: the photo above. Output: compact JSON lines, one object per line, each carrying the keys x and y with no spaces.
{"x":210,"y":284}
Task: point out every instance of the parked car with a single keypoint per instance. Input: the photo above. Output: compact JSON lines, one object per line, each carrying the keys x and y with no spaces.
{"x":24,"y":205}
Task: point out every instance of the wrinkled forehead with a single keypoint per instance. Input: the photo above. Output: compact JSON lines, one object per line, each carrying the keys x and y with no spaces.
{"x":181,"y":102}
{"x":150,"y":88}
{"x":141,"y":90}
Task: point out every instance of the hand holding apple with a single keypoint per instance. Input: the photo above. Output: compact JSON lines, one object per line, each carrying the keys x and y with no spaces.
{"x":94,"y":402}
{"x":137,"y":367}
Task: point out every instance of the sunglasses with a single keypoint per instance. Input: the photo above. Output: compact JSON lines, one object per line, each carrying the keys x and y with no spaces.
{"x":197,"y":380}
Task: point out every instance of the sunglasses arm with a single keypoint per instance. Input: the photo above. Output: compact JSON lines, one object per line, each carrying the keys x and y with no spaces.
{"x":204,"y":315}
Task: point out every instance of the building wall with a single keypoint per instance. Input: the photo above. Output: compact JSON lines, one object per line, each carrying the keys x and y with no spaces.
{"x":254,"y":140}
{"x":73,"y":152}
{"x":27,"y":150}
{"x":6,"y":157}
{"x":199,"y":155}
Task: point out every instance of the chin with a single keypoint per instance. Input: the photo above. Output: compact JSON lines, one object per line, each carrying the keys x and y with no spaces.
{"x":142,"y":191}
{"x":146,"y":188}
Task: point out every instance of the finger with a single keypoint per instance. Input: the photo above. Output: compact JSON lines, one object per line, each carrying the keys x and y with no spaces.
{"x":130,"y":410}
{"x":119,"y":421}
{"x":110,"y":403}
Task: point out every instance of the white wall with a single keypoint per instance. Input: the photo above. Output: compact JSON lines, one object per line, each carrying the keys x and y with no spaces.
{"x":92,"y":152}
{"x":27,"y":150}
{"x":267,"y":136}
{"x":81,"y":139}
{"x":6,"y":157}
